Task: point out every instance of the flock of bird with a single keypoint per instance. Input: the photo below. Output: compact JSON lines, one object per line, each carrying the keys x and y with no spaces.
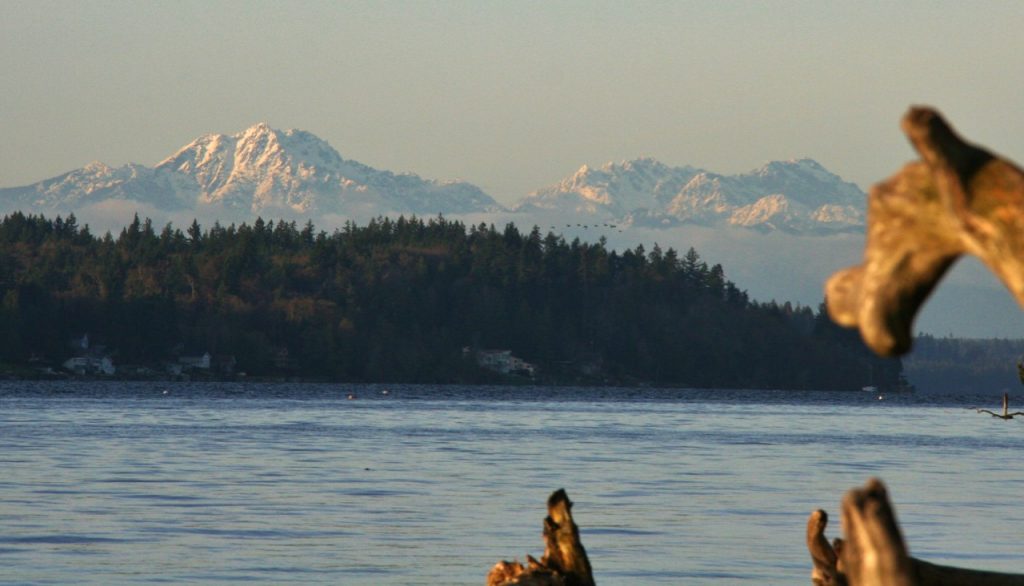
{"x":1005,"y":415}
{"x":587,"y":226}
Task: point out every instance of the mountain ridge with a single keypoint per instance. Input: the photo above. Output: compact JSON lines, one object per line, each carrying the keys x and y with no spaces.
{"x":798,"y":196}
{"x":295,"y":174}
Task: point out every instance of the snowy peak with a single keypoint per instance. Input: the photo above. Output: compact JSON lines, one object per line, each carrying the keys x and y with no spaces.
{"x":96,"y":168}
{"x":266,"y":170}
{"x":799,"y":196}
{"x":615,"y":187}
{"x":209,"y":159}
{"x":263,"y":148}
{"x":806,"y":181}
{"x":222,"y":164}
{"x":261,"y":170}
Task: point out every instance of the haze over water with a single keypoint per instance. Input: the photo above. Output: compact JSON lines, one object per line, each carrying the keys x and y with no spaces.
{"x":109,"y":483}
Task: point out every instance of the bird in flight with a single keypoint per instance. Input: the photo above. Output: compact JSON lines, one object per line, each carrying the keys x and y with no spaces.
{"x":1006,"y":409}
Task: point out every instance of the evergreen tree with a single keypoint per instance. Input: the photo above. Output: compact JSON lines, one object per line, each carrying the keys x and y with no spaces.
{"x":400,"y":299}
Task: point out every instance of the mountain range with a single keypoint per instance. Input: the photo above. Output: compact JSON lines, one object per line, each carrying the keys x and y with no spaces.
{"x":294,"y":174}
{"x":798,"y":196}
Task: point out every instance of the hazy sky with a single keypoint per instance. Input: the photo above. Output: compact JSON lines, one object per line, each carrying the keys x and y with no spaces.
{"x":510,"y":96}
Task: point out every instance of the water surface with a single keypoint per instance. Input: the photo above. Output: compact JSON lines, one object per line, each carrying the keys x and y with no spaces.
{"x":134,"y":483}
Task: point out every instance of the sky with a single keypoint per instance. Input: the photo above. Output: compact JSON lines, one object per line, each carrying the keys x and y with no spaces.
{"x":510,"y":96}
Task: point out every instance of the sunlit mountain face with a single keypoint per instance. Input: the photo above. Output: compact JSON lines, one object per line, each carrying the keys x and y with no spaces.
{"x":260,"y":171}
{"x":799,"y":197}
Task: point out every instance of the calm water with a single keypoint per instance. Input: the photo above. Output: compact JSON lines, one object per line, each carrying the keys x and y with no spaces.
{"x":220,"y":483}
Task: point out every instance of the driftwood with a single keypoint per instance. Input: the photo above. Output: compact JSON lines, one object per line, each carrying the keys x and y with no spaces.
{"x":958,"y":199}
{"x":873,"y":553}
{"x":564,"y":562}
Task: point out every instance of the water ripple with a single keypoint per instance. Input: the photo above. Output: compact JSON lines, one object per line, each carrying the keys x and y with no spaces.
{"x":109,"y":482}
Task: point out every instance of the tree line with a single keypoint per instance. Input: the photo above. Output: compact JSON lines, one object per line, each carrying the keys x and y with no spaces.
{"x":408,"y":300}
{"x":950,"y":364}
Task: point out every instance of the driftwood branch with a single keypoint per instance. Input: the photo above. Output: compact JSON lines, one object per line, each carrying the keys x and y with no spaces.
{"x":564,"y":562}
{"x":959,"y":199}
{"x":873,"y":552}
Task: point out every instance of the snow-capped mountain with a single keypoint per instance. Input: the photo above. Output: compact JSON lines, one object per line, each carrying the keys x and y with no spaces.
{"x":798,"y":196}
{"x":614,"y":189}
{"x":260,"y":171}
{"x":294,"y":174}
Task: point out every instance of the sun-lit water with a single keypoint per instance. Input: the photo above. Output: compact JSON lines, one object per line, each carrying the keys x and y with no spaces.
{"x":111,"y":483}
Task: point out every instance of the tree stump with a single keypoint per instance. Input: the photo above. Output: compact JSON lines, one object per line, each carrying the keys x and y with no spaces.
{"x":564,"y":562}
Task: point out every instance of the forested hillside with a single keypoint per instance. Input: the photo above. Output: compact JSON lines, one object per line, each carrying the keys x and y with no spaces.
{"x":965,"y":365}
{"x":403,"y":300}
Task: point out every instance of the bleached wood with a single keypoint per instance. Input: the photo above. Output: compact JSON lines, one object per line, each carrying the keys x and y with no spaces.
{"x":564,"y":562}
{"x":958,"y":199}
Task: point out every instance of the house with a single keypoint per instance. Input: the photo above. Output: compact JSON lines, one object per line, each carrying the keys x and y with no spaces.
{"x":195,"y":362}
{"x":83,"y":365}
{"x":502,"y":361}
{"x":91,"y":358}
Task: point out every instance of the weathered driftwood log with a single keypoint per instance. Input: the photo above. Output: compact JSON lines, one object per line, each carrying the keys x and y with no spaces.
{"x":564,"y":562}
{"x":874,"y":554}
{"x":958,"y":199}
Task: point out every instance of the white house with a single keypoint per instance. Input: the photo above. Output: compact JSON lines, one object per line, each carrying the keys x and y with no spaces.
{"x":90,"y":365}
{"x":190,"y":362}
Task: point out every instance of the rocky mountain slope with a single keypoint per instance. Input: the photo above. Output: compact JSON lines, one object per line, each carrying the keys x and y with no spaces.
{"x":798,"y":196}
{"x":260,"y":171}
